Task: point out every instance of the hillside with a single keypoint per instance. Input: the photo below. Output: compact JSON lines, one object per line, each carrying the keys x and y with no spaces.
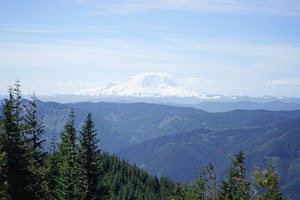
{"x":181,"y":154}
{"x":124,"y":124}
{"x":175,"y":141}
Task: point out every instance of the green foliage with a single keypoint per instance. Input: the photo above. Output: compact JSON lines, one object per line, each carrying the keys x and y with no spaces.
{"x":236,"y":186}
{"x":14,"y":174}
{"x":266,"y":184}
{"x":198,"y":188}
{"x":70,"y":172}
{"x":204,"y":186}
{"x":34,"y":130}
{"x":178,"y":192}
{"x":99,"y":175}
{"x":92,"y":169}
{"x":2,"y":165}
{"x":130,"y":182}
{"x":53,"y":176}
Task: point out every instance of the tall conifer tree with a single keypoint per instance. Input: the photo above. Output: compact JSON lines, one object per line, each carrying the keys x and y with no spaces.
{"x":70,"y":180}
{"x":14,"y":170}
{"x":237,"y":186}
{"x":89,"y":159}
{"x":53,"y":176}
{"x":34,"y":131}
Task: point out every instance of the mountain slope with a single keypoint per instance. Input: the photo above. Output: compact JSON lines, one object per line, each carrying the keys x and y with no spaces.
{"x":191,"y":149}
{"x":280,"y":146}
{"x":122,"y":125}
{"x":272,"y":105}
{"x":180,"y":154}
{"x":174,"y":141}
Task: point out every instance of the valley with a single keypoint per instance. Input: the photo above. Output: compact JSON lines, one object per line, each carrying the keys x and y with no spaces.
{"x":176,"y":141}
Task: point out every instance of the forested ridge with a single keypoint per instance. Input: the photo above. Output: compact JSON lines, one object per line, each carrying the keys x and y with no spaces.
{"x":75,"y":168}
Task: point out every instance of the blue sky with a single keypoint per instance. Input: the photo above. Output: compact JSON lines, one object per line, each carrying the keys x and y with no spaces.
{"x":229,"y":47}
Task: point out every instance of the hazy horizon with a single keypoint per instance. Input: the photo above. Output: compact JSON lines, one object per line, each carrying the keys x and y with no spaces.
{"x":217,"y":47}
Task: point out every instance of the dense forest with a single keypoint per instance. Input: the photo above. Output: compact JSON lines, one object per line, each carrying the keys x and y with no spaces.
{"x":75,"y":168}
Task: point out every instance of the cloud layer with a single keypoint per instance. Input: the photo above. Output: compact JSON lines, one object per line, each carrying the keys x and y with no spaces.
{"x":285,"y":82}
{"x":267,"y":7}
{"x":215,"y":46}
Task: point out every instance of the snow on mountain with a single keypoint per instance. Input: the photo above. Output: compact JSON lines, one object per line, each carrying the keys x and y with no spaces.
{"x":146,"y":85}
{"x":163,"y":88}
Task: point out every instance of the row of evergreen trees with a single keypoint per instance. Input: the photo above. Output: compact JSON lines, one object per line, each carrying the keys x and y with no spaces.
{"x":74,"y":167}
{"x":27,"y":172}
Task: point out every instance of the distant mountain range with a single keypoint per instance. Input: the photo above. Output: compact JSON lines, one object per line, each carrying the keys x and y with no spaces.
{"x":161,"y":88}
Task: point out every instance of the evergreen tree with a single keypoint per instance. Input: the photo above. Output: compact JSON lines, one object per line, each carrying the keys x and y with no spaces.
{"x":89,"y":160}
{"x":197,"y":189}
{"x":14,"y":172}
{"x":70,"y":180}
{"x":178,"y":192}
{"x":2,"y":165}
{"x":205,"y":184}
{"x":166,"y":187}
{"x":237,"y":187}
{"x":53,"y":176}
{"x":34,"y":130}
{"x":266,"y":184}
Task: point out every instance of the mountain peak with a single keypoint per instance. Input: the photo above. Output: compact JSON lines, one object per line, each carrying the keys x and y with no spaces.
{"x":148,"y":84}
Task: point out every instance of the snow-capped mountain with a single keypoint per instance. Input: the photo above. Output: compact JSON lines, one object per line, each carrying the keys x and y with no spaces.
{"x":162,"y":88}
{"x":147,"y":85}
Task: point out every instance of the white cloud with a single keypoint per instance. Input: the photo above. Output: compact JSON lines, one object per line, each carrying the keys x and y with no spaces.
{"x":284,"y":82}
{"x":58,"y":87}
{"x":210,"y":64}
{"x":22,"y":28}
{"x":137,"y":56}
{"x":109,"y":52}
{"x":266,"y":7}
